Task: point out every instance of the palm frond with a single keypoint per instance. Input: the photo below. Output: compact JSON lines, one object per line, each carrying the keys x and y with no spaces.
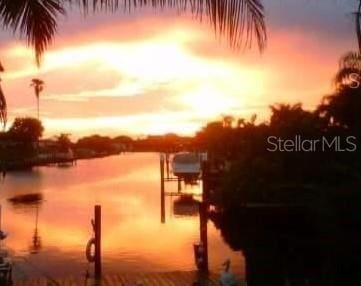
{"x":350,"y":60}
{"x":3,"y":108}
{"x":344,"y":75}
{"x":36,"y":19}
{"x":241,"y":21}
{"x":3,"y":105}
{"x":349,"y":65}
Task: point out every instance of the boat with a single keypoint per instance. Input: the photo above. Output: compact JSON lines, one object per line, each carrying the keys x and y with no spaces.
{"x":186,"y":165}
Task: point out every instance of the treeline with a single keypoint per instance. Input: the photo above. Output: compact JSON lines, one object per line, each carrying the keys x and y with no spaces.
{"x":105,"y":145}
{"x":24,"y":141}
{"x":266,"y":163}
{"x":293,"y":210}
{"x":299,"y":157}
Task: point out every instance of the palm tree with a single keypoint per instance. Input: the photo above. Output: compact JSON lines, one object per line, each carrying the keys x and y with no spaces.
{"x":3,"y":109}
{"x":349,"y":69}
{"x":358,"y":25}
{"x":38,"y":85}
{"x":241,"y":21}
{"x":227,"y":121}
{"x":240,"y":123}
{"x":350,"y":63}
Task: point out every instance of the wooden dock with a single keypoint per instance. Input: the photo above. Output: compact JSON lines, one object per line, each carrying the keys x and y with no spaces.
{"x":130,"y":279}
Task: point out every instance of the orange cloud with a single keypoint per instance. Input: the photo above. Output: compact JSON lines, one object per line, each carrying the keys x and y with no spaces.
{"x":155,"y":75}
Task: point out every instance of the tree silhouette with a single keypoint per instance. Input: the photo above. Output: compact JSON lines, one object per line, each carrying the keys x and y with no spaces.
{"x":349,"y":69}
{"x":3,"y":105}
{"x":38,"y":85}
{"x":64,"y":141}
{"x":227,"y":120}
{"x":358,"y":25}
{"x":27,"y":130}
{"x":343,"y":108}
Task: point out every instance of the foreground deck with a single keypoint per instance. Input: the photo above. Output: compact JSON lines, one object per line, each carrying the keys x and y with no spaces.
{"x":129,"y":279}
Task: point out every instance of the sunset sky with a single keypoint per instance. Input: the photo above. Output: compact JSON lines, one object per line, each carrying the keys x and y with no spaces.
{"x":155,"y":72}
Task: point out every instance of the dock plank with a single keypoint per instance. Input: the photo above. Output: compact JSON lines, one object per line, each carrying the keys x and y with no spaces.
{"x":131,"y":279}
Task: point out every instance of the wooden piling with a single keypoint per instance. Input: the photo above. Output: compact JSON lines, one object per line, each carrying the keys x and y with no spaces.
{"x":162,"y":190}
{"x":179,"y":184}
{"x":167,"y":164}
{"x":205,"y":182}
{"x":97,"y":236}
{"x":203,"y":213}
{"x":175,"y":278}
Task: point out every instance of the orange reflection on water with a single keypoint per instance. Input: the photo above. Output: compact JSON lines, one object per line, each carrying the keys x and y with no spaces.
{"x":133,"y":238}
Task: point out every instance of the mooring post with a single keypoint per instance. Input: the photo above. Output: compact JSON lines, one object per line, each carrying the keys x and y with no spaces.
{"x":97,"y":236}
{"x":162,"y":190}
{"x":179,"y":184}
{"x":203,"y":209}
{"x":167,"y":163}
{"x":205,"y":181}
{"x":203,"y":215}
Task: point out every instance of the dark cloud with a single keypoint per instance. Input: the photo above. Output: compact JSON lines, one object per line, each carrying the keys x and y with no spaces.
{"x":330,"y":19}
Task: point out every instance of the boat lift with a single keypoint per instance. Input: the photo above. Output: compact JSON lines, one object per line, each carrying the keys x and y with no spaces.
{"x":195,"y":169}
{"x":182,"y":170}
{"x":201,"y":175}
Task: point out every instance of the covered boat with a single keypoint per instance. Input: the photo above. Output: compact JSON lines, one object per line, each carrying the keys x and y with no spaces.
{"x":186,"y":165}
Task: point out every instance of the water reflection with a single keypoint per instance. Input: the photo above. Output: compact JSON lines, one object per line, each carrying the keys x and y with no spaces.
{"x":26,"y":200}
{"x":36,"y":239}
{"x":185,"y":205}
{"x":31,"y":202}
{"x":127,"y":187}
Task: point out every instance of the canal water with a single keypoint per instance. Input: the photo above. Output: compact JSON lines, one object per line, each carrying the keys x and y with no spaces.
{"x":49,"y":229}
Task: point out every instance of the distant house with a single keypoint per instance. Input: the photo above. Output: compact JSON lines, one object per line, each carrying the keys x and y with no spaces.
{"x":50,"y":149}
{"x":85,"y":153}
{"x":68,"y":155}
{"x":47,"y":144}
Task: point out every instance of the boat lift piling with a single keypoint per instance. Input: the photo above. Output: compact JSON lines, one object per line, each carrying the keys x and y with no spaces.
{"x":202,"y":253}
{"x":203,"y":215}
{"x":162,"y":189}
{"x":167,"y":163}
{"x":201,"y":249}
{"x":179,"y":185}
{"x":95,"y":242}
{"x":97,"y":233}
